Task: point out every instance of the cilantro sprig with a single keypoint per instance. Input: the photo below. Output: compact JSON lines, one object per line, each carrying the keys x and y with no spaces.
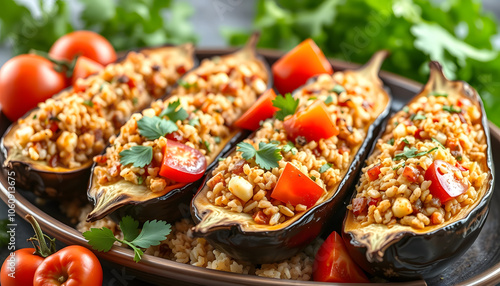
{"x":417,"y":116}
{"x":338,"y":89}
{"x":290,"y":147}
{"x":155,"y":127}
{"x":152,"y":233}
{"x":439,"y":143}
{"x":267,"y":157}
{"x":139,"y":156}
{"x":412,"y":153}
{"x":174,"y":112}
{"x":325,"y":167}
{"x":287,"y":106}
{"x":452,"y":109}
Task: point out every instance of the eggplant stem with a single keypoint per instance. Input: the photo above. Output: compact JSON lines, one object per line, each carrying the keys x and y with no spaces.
{"x":41,"y":249}
{"x":371,"y":69}
{"x":249,"y":50}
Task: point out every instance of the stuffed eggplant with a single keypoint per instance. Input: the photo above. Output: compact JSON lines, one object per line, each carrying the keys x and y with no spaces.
{"x":52,"y":146}
{"x":180,"y":137}
{"x":279,"y":189}
{"x":423,"y":197}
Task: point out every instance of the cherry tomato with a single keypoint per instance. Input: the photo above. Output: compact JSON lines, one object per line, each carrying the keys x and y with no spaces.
{"x":83,"y":68}
{"x":182,"y":163}
{"x":261,"y":110}
{"x":314,"y":123}
{"x":373,"y":172}
{"x":19,"y":269}
{"x":26,"y":80}
{"x":72,"y":265}
{"x":333,"y":263}
{"x":83,"y":43}
{"x":298,"y":65}
{"x":295,"y":187}
{"x":444,"y":183}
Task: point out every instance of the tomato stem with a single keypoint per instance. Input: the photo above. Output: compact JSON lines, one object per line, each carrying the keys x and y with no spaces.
{"x":59,"y":65}
{"x":41,"y":249}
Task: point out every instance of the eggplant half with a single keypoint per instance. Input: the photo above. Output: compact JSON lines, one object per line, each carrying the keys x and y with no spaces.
{"x":252,"y":235}
{"x":48,"y":176}
{"x":438,"y":227}
{"x":221,"y":89}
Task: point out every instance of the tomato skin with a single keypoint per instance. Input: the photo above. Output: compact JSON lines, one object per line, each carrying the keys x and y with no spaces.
{"x":76,"y":263}
{"x":182,"y":163}
{"x":295,"y":187}
{"x":83,"y":43}
{"x":298,"y":65}
{"x":373,"y":172}
{"x":24,"y":267}
{"x":444,"y":186}
{"x":83,"y":68}
{"x":29,"y":78}
{"x":261,"y":110}
{"x":314,"y":123}
{"x":333,"y":263}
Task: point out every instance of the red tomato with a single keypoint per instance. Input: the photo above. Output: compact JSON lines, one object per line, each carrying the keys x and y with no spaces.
{"x":444,"y":185}
{"x":83,"y":43}
{"x":333,"y":263}
{"x":262,"y":109}
{"x":26,"y":80}
{"x":298,"y":65}
{"x":182,"y":163}
{"x":72,"y":265}
{"x":373,"y":172}
{"x":359,"y":206}
{"x":83,"y":68}
{"x":19,"y":269}
{"x":295,"y":187}
{"x":412,"y":173}
{"x":314,"y":123}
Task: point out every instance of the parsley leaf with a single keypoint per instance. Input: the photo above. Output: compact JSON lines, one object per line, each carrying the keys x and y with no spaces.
{"x":400,"y":165}
{"x":451,"y":109}
{"x":417,"y":117}
{"x":290,"y":147}
{"x":439,"y":143}
{"x":186,"y":84}
{"x":195,"y":121}
{"x":406,"y":109}
{"x":88,"y":103}
{"x":391,"y":141}
{"x":221,"y":159}
{"x":173,"y":112}
{"x":313,"y":178}
{"x":139,"y":156}
{"x":329,"y":99}
{"x":287,"y":105}
{"x":406,"y":141}
{"x":217,"y":139}
{"x":325,"y":167}
{"x":152,"y":233}
{"x":266,"y":157}
{"x":338,"y":89}
{"x":411,"y":153}
{"x":207,"y":146}
{"x":154,"y":127}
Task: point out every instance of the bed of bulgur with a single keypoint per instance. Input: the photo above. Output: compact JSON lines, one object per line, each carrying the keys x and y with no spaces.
{"x":456,"y":137}
{"x":69,"y":129}
{"x":352,"y":110}
{"x":214,"y":94}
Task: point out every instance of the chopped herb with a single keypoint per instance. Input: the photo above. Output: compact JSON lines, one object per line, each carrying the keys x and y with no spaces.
{"x":207,"y":145}
{"x":54,"y":118}
{"x":391,"y":141}
{"x":438,"y":94}
{"x":329,"y":99}
{"x":312,"y":98}
{"x":287,"y":105}
{"x":411,"y":153}
{"x":135,"y":101}
{"x":139,"y":156}
{"x":451,"y":109}
{"x":194,"y":121}
{"x":406,"y":141}
{"x":417,"y":117}
{"x":217,"y":139}
{"x":152,"y":233}
{"x":275,"y":142}
{"x":266,"y":157}
{"x":439,"y":143}
{"x":396,"y":123}
{"x":400,"y":165}
{"x":459,"y":158}
{"x":290,"y":147}
{"x":153,"y":127}
{"x":406,"y":109}
{"x":325,"y":167}
{"x":313,"y":178}
{"x":221,"y":159}
{"x":140,"y":180}
{"x":230,"y":98}
{"x":174,"y":112}
{"x":88,"y":103}
{"x":186,"y":84}
{"x":34,"y":116}
{"x":338,"y":89}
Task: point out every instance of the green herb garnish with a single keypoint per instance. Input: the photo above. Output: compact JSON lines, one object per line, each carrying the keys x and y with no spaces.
{"x":88,"y":103}
{"x":439,"y":143}
{"x":411,"y":153}
{"x":406,"y":141}
{"x":438,"y":94}
{"x":221,"y":159}
{"x":153,"y":127}
{"x":152,"y":233}
{"x":451,"y":109}
{"x":207,"y":146}
{"x":194,"y":121}
{"x":313,"y":178}
{"x":217,"y":139}
{"x":406,"y":109}
{"x":329,"y":99}
{"x":325,"y":167}
{"x":417,"y":117}
{"x":290,"y":147}
{"x":287,"y":105}
{"x":140,"y":180}
{"x":186,"y":84}
{"x":267,"y":157}
{"x":338,"y":89}
{"x":34,"y":116}
{"x":391,"y":141}
{"x":139,"y":156}
{"x":174,"y":112}
{"x":312,"y":98}
{"x":400,"y":165}
{"x":135,"y":101}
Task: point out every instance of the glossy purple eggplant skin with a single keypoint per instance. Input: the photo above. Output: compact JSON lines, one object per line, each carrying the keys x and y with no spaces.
{"x":279,"y":243}
{"x":407,"y":255}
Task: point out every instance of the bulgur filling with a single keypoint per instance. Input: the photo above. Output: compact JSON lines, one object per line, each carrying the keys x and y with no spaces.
{"x":72,"y":127}
{"x":395,"y":187}
{"x":245,"y":185}
{"x":202,"y":109}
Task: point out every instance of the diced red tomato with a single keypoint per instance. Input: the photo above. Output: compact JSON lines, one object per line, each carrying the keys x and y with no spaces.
{"x":464,"y":102}
{"x":295,"y":187}
{"x":373,"y":172}
{"x":417,"y":134}
{"x":373,"y":201}
{"x":412,"y":173}
{"x":298,"y":65}
{"x":333,"y":263}
{"x":53,"y":127}
{"x":262,"y":109}
{"x":359,"y":206}
{"x":260,"y":218}
{"x":182,"y":163}
{"x":444,"y":184}
{"x":313,"y":123}
{"x":83,"y":68}
{"x":435,"y":218}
